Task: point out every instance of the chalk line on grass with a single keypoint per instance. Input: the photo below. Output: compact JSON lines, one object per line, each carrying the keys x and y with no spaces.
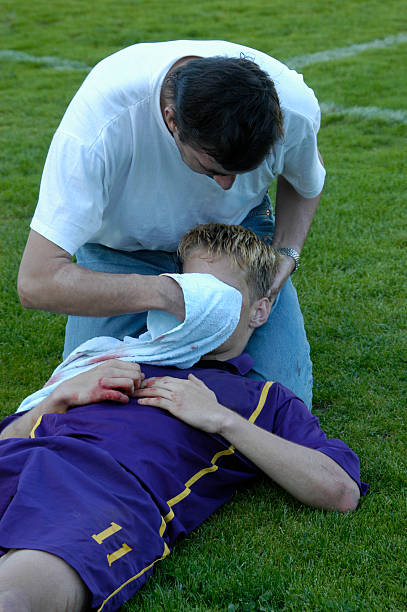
{"x":365,"y":112}
{"x":331,"y":54}
{"x":55,"y":62}
{"x":329,"y":108}
{"x":295,"y":62}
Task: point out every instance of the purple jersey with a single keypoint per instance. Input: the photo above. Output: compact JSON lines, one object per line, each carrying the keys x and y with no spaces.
{"x":110,"y":487}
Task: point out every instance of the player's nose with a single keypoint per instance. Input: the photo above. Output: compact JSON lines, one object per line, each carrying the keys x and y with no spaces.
{"x":225,"y":182}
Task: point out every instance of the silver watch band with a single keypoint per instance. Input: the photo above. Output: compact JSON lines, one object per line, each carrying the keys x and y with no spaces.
{"x":292,"y":253}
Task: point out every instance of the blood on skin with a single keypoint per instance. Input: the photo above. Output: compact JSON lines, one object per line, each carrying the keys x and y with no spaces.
{"x":53,"y":379}
{"x":105,"y":357}
{"x":150,"y":382}
{"x":100,"y":393}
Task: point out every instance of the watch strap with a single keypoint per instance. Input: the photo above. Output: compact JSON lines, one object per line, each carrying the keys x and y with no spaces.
{"x":292,"y":253}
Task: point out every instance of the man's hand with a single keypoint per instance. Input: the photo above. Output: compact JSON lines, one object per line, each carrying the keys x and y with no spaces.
{"x":113,"y":380}
{"x":286,"y":266}
{"x":189,"y":400}
{"x":294,"y":215}
{"x":172,"y":296}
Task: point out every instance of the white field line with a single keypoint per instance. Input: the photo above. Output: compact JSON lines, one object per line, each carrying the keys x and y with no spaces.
{"x":329,"y":108}
{"x":294,"y":62}
{"x":332,"y":54}
{"x":55,"y":62}
{"x":365,"y":112}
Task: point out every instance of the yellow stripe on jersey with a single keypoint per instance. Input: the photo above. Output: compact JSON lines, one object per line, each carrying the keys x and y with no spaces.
{"x":38,"y":421}
{"x":171,"y":502}
{"x":163,"y":526}
{"x":165,"y":553}
{"x":229,"y":451}
{"x":261,"y":403}
{"x":175,"y":500}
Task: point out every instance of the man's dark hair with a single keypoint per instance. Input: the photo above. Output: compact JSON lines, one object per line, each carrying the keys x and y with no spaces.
{"x":228,"y":107}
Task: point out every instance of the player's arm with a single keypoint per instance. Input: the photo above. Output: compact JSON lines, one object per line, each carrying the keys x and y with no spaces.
{"x":113,"y":380}
{"x":309,"y":475}
{"x":49,"y":280}
{"x":294,"y":216}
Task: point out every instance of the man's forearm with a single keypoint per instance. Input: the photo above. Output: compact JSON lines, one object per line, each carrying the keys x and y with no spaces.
{"x":49,"y":280}
{"x":75,"y":290}
{"x":294,"y":215}
{"x":307,"y":474}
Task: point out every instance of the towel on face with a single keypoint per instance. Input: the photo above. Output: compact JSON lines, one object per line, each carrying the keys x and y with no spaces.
{"x":212,"y":312}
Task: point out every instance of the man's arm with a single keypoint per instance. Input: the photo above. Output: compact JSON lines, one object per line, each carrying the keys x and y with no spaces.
{"x":49,"y":280}
{"x":309,"y":475}
{"x":113,"y":380}
{"x":294,"y":215}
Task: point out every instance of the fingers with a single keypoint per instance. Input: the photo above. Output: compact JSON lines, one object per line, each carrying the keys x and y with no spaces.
{"x":121,"y":370}
{"x":164,"y":392}
{"x":156,"y":391}
{"x":164,"y":388}
{"x":167,"y":380}
{"x":112,"y":395}
{"x":113,"y":382}
{"x":158,"y":402}
{"x":118,"y":364}
{"x":150,"y":382}
{"x":196,"y":380}
{"x":168,"y":387}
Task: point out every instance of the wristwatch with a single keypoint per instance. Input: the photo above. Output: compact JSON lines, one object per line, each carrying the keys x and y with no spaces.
{"x":292,"y":253}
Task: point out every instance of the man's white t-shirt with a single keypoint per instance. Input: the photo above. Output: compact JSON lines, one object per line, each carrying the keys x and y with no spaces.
{"x":114,"y":175}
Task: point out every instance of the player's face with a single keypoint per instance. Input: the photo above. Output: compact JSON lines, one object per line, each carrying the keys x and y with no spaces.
{"x":227,"y":271}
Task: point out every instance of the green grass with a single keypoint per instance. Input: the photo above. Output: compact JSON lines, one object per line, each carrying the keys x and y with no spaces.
{"x":262,"y":551}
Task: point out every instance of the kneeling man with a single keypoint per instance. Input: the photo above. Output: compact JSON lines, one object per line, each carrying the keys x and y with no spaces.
{"x":104,"y":474}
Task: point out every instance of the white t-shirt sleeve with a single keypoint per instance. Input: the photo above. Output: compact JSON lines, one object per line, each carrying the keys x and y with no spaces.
{"x":72,"y":193}
{"x":302,"y":167}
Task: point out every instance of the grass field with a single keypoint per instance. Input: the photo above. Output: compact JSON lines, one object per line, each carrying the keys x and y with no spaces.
{"x":263,"y":551}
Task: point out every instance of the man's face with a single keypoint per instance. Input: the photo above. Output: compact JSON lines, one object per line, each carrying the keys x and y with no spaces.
{"x":202,"y":163}
{"x":227,"y":271}
{"x":195,"y":158}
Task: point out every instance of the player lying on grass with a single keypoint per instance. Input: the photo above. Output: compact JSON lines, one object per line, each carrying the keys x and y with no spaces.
{"x":93,"y":493}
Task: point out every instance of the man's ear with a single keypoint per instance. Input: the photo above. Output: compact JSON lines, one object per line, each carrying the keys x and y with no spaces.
{"x":169,"y":117}
{"x":260,"y":312}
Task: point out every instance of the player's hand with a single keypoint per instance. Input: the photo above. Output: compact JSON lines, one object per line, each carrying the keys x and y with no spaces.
{"x":113,"y":380}
{"x":189,"y":400}
{"x":286,"y":266}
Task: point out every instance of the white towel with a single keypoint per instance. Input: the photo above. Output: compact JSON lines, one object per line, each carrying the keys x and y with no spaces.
{"x":212,"y":312}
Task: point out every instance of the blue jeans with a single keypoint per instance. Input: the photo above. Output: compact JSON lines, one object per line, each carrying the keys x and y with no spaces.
{"x":279,"y":348}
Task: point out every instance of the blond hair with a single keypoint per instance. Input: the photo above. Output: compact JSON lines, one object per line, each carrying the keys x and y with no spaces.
{"x":255,"y":257}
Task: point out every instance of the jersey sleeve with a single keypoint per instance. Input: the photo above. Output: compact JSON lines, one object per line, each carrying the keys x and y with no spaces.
{"x":72,"y":193}
{"x":302,"y":167}
{"x":289,"y":418}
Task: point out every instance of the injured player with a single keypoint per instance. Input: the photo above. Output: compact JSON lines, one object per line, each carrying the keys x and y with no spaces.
{"x":104,"y":473}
